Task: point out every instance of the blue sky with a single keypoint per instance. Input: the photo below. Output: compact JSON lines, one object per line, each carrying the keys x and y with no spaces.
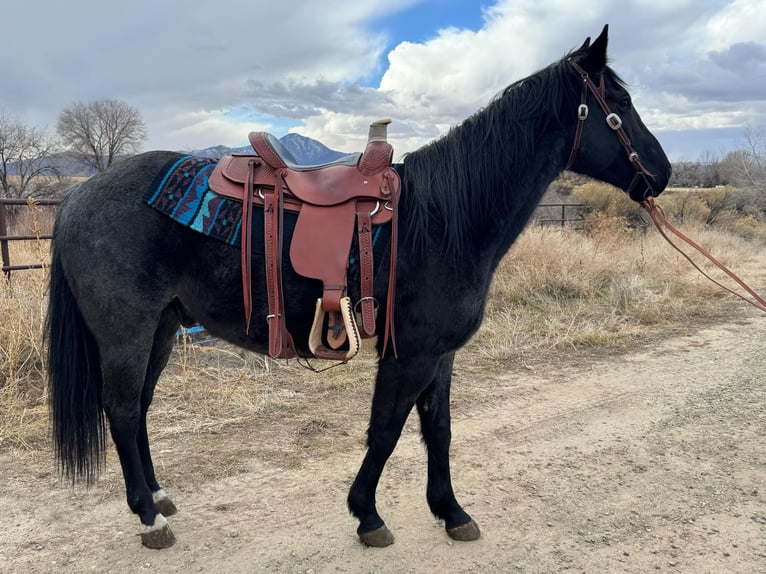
{"x":205,"y":76}
{"x":421,"y":21}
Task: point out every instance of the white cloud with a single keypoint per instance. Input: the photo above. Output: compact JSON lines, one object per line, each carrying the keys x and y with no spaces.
{"x":205,"y":75}
{"x":435,"y":84}
{"x":740,"y":21}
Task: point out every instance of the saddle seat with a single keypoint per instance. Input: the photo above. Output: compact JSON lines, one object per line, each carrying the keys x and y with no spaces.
{"x":267,"y":145}
{"x":356,"y":191}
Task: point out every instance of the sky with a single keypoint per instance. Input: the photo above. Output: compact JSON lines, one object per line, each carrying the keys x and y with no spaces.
{"x":204,"y":74}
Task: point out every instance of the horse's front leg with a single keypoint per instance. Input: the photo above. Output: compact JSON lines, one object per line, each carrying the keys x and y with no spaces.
{"x":434,"y":410}
{"x":399,"y":383}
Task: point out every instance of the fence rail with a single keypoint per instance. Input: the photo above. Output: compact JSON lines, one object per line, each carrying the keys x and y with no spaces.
{"x":542,"y":216}
{"x":563,"y":221}
{"x":5,"y":238}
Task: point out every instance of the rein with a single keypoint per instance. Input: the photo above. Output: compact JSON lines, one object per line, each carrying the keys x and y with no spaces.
{"x":645,"y":198}
{"x":660,"y":221}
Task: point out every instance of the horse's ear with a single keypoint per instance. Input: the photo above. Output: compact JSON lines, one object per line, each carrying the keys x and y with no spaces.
{"x":595,"y":59}
{"x":585,"y":45}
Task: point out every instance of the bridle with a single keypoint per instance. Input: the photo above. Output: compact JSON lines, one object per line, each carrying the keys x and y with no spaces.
{"x":642,"y":176}
{"x":645,"y":195}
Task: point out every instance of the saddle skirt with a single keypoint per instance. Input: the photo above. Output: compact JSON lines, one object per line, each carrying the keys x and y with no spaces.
{"x":355,"y":192}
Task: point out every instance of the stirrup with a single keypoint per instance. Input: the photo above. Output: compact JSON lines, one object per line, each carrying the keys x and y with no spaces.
{"x":322,"y":351}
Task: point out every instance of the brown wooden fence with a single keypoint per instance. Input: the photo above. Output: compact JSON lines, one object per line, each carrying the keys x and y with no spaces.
{"x":6,"y":238}
{"x":562,"y":214}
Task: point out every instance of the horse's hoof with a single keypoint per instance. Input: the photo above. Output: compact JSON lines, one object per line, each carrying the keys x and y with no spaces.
{"x":159,"y":535}
{"x":166,"y":506}
{"x":378,"y":538}
{"x":163,"y":503}
{"x":465,"y":532}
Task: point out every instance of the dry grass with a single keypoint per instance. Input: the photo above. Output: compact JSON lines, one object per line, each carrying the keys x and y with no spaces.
{"x":564,"y":291}
{"x":22,"y":390}
{"x":558,"y":292}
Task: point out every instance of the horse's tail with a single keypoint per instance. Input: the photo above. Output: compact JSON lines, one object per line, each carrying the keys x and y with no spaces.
{"x":74,"y":382}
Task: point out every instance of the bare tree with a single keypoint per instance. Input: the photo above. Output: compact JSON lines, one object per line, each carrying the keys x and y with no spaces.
{"x":747,"y":166}
{"x":99,"y":132}
{"x":686,"y":174}
{"x":25,"y":153}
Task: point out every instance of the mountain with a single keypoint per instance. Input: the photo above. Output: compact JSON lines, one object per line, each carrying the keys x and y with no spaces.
{"x":309,"y":151}
{"x":65,"y":164}
{"x":214,"y":152}
{"x":306,"y":151}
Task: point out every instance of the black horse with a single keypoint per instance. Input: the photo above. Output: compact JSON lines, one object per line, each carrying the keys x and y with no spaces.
{"x":124,"y":277}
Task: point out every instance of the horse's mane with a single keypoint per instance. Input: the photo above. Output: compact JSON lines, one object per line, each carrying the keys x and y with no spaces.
{"x":450,"y":186}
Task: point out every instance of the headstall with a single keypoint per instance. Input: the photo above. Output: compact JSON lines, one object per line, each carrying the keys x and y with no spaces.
{"x":614,"y":121}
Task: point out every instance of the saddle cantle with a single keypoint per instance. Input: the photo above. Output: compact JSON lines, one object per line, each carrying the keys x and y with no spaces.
{"x":356,"y":191}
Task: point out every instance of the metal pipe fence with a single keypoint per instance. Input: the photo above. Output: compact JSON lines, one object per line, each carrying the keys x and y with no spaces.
{"x":563,"y":214}
{"x":6,"y":237}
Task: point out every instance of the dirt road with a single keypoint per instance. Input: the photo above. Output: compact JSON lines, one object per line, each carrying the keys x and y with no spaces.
{"x":649,"y":461}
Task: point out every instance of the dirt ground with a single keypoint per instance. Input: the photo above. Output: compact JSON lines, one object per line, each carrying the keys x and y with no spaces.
{"x":653,"y":460}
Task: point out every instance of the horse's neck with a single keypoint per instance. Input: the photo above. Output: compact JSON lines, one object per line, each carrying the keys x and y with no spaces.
{"x":525,"y":193}
{"x":510,"y":187}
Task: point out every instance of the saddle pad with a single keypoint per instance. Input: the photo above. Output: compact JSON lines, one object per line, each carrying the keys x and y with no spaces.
{"x":183,"y":194}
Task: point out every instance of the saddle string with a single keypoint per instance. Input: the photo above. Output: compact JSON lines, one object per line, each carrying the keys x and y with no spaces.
{"x":246,"y":231}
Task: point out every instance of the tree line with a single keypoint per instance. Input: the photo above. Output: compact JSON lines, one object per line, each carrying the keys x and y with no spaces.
{"x":743,"y":168}
{"x":89,"y":135}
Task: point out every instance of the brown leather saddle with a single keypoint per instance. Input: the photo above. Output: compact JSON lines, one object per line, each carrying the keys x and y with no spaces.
{"x":356,"y":191}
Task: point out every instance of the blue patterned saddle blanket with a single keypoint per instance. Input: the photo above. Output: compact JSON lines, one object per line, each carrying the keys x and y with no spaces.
{"x":183,"y":194}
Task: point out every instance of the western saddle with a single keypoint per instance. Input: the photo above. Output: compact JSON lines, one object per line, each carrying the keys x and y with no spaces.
{"x":359,"y":191}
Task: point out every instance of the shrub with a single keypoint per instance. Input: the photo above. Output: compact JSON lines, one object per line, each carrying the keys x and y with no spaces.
{"x":609,"y":201}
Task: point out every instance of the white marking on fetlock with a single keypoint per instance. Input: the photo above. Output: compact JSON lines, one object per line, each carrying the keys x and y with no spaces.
{"x":159,"y":523}
{"x":159,"y":495}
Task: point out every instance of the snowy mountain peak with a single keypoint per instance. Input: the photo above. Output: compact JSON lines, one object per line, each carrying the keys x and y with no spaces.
{"x":306,"y":151}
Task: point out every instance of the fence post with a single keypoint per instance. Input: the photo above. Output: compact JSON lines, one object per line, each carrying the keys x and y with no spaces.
{"x":6,"y":256}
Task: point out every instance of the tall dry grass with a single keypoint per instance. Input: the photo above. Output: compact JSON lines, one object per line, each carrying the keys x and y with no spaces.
{"x":23,"y":302}
{"x":564,"y":291}
{"x":558,"y":292}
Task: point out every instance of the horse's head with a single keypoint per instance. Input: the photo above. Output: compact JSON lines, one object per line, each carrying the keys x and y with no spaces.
{"x":609,"y":140}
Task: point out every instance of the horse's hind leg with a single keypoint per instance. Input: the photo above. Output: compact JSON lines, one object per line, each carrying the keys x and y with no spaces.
{"x":158,"y":359}
{"x":435,"y":422}
{"x":124,"y":361}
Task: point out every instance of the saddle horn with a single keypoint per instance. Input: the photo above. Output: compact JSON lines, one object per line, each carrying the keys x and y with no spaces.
{"x":378,"y":154}
{"x":378,"y":131}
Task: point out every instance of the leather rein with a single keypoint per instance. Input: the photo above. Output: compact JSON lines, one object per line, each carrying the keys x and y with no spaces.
{"x":645,"y":198}
{"x":660,"y":221}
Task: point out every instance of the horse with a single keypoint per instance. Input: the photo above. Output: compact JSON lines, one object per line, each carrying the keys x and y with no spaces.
{"x":124,"y":277}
